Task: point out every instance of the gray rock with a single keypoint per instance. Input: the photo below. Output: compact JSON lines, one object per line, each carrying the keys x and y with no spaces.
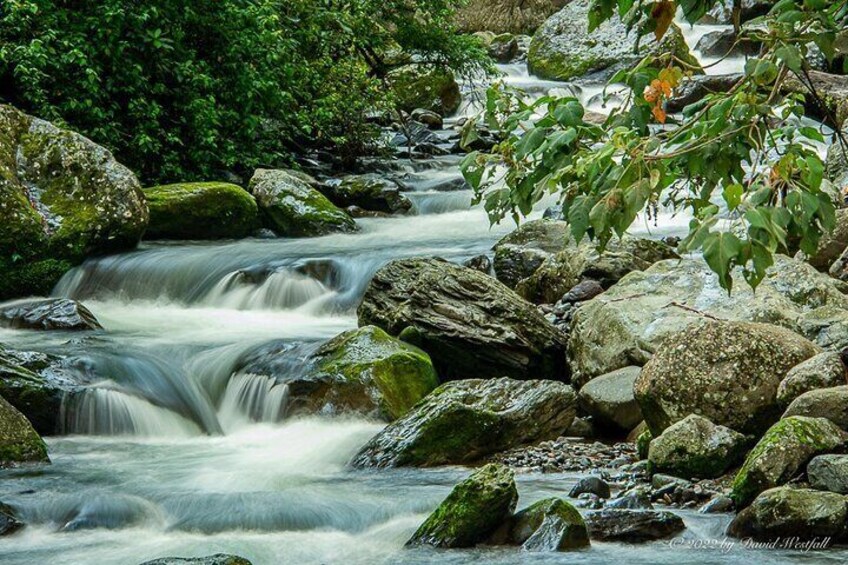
{"x":722,"y":12}
{"x":463,"y":421}
{"x":724,"y":42}
{"x":49,"y":314}
{"x":829,"y":472}
{"x":632,"y":525}
{"x":549,"y":525}
{"x":9,"y":523}
{"x":825,"y":370}
{"x":593,"y":485}
{"x":427,"y":117}
{"x":784,"y":512}
{"x":503,"y":48}
{"x":830,"y":403}
{"x":468,"y":322}
{"x":717,"y":505}
{"x":519,"y":254}
{"x":727,"y":372}
{"x":634,"y":499}
{"x":480,"y":263}
{"x":369,"y":192}
{"x":609,"y":400}
{"x":217,"y":559}
{"x":582,"y":291}
{"x":694,"y":447}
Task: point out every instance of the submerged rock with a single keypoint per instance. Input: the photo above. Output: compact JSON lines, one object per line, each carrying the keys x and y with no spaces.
{"x":824,"y":370}
{"x":830,"y":403}
{"x":549,"y":525}
{"x":369,"y":192}
{"x":610,"y":401}
{"x":50,"y":314}
{"x":469,"y":323}
{"x":200,"y":210}
{"x":19,"y":442}
{"x":789,"y":513}
{"x":430,"y":88}
{"x":291,"y":207}
{"x":463,"y":421}
{"x":782,"y":453}
{"x":632,"y":525}
{"x":829,"y":472}
{"x":694,"y":447}
{"x":472,"y":511}
{"x":727,"y":372}
{"x":217,"y":559}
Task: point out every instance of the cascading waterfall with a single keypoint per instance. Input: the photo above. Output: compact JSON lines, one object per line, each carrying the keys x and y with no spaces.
{"x":252,"y":398}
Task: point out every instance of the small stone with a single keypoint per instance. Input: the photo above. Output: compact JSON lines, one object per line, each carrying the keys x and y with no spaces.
{"x":593,"y":485}
{"x":718,"y":504}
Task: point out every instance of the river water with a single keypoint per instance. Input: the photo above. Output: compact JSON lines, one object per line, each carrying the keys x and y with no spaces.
{"x":170,"y":453}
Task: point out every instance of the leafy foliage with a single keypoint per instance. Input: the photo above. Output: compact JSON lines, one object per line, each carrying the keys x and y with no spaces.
{"x":741,"y":162}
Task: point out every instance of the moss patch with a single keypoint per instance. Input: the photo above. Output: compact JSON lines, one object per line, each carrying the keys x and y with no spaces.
{"x":18,"y":441}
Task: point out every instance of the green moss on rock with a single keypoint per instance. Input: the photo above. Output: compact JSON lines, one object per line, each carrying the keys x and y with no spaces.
{"x":200,"y":210}
{"x":551,"y":524}
{"x":19,"y":443}
{"x":35,"y":278}
{"x":430,"y":88}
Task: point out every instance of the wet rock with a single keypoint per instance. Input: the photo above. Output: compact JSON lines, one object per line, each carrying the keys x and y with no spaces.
{"x":782,"y":453}
{"x":563,"y":48}
{"x":694,"y":447}
{"x":632,"y":525}
{"x":626,"y":324}
{"x":661,"y":480}
{"x":582,"y":291}
{"x":427,"y":117}
{"x":824,"y":370}
{"x":609,"y":400}
{"x":62,"y":198}
{"x":830,"y":403}
{"x":503,"y":48}
{"x":589,"y":500}
{"x":549,"y":525}
{"x":568,"y":454}
{"x":829,"y":472}
{"x":217,"y":559}
{"x":505,"y":16}
{"x":200,"y":210}
{"x":472,"y":511}
{"x":290,"y":206}
{"x":593,"y":485}
{"x":519,"y":254}
{"x":9,"y":523}
{"x":789,"y":513}
{"x":693,"y":89}
{"x":480,"y":263}
{"x":50,"y":314}
{"x":468,"y":322}
{"x":634,"y":499}
{"x":724,"y":42}
{"x":370,"y":192}
{"x":463,"y":421}
{"x":727,"y":372}
{"x":718,"y":504}
{"x":429,"y":88}
{"x":19,"y":442}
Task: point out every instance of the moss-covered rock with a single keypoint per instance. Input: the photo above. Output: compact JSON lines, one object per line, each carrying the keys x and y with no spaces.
{"x":564,"y":49}
{"x":200,"y":210}
{"x":789,"y":513}
{"x":36,"y":278}
{"x":830,"y":403}
{"x":431,"y":88}
{"x":551,"y":524}
{"x":696,"y":448}
{"x":782,"y":452}
{"x":293,"y":208}
{"x":727,"y":372}
{"x":825,"y":370}
{"x":369,"y":192}
{"x":464,"y":421}
{"x":19,"y":442}
{"x":521,"y":252}
{"x":472,"y":511}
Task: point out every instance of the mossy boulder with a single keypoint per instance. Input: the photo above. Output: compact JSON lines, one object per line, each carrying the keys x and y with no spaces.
{"x":290,"y":206}
{"x":370,"y":192}
{"x":19,"y":442}
{"x":472,"y":511}
{"x":782,"y":453}
{"x":521,"y":252}
{"x":727,"y":372}
{"x":62,"y":198}
{"x":428,"y":87}
{"x":825,"y":370}
{"x":505,"y":16}
{"x":36,"y":278}
{"x":464,"y":421}
{"x":610,"y":401}
{"x":551,"y":524}
{"x":200,"y":210}
{"x":785,"y":513}
{"x":696,"y":448}
{"x":563,"y":48}
{"x":48,"y":314}
{"x":830,"y":403}
{"x":469,"y":323}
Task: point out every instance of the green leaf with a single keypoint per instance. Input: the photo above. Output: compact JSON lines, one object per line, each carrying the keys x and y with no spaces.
{"x":721,"y":250}
{"x":762,"y":71}
{"x":529,"y":142}
{"x":732,"y":194}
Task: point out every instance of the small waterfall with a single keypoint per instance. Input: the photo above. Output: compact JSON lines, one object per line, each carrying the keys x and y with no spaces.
{"x":434,"y":202}
{"x":252,"y":398}
{"x":106,"y":411}
{"x":284,"y":290}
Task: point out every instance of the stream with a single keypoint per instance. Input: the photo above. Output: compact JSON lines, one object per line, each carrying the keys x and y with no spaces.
{"x":169,"y":453}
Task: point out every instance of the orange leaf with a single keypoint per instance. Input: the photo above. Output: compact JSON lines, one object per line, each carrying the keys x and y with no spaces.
{"x":659,"y":114}
{"x":663,"y":14}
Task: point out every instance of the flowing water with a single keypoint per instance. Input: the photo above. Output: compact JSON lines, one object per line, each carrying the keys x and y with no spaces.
{"x":171,"y":451}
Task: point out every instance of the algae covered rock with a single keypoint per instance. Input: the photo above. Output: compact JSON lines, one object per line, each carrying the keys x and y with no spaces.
{"x":563,"y":48}
{"x":290,"y":206}
{"x":694,"y":447}
{"x":727,"y":372}
{"x":830,"y":403}
{"x":825,"y":370}
{"x":19,"y":442}
{"x":429,"y":87}
{"x":551,"y":524}
{"x":782,"y":452}
{"x":463,"y":421}
{"x":200,"y":210}
{"x":472,"y":511}
{"x":469,"y":323}
{"x":789,"y":513}
{"x":369,"y":192}
{"x":50,"y":314}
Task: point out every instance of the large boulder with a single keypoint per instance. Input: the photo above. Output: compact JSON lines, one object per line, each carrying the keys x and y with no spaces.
{"x":469,"y":323}
{"x":786,"y":513}
{"x":200,"y":210}
{"x":369,"y":192}
{"x":696,"y":448}
{"x":62,"y":198}
{"x":472,"y":511}
{"x":727,"y":372}
{"x":782,"y":452}
{"x":49,"y":314}
{"x":505,"y":16}
{"x":615,"y":524}
{"x":290,"y":206}
{"x":610,"y":401}
{"x":563,"y":48}
{"x":430,"y":88}
{"x":19,"y":442}
{"x":830,"y":403}
{"x":829,"y":472}
{"x":217,"y":559}
{"x":825,"y":370}
{"x":464,"y":421}
{"x":627,"y":324}
{"x":521,"y":252}
{"x":550,"y":524}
